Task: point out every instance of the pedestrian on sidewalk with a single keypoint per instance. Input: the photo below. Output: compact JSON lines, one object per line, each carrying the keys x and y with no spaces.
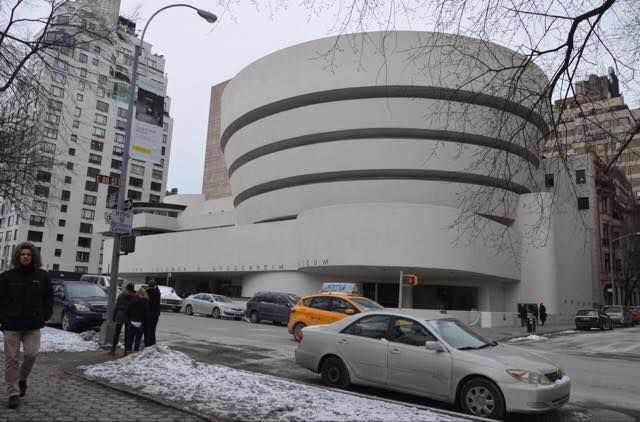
{"x":26,"y":302}
{"x":522,"y":312}
{"x":137,"y":319}
{"x":154,"y":313}
{"x":535,"y":312}
{"x":543,"y":313}
{"x":120,"y":314}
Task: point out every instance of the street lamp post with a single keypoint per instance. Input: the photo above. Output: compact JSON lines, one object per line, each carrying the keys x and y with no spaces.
{"x":108,"y":327}
{"x":613,"y":263}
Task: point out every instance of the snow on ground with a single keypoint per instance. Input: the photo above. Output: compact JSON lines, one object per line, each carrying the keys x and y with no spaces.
{"x":54,"y":340}
{"x":222,"y":392}
{"x":531,"y":337}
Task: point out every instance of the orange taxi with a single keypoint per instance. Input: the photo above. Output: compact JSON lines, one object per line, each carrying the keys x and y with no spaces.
{"x":325,"y":308}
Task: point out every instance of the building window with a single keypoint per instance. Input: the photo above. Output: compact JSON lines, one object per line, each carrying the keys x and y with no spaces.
{"x":135,"y":182}
{"x":77,"y":112}
{"x":81,"y":85}
{"x":95,"y":159}
{"x":96,"y":49}
{"x":581,"y":177}
{"x":88,"y":214}
{"x":66,"y":195}
{"x":102,"y":79}
{"x":54,"y":105}
{"x":98,"y":132}
{"x":69,"y":165}
{"x":67,"y":179}
{"x":59,"y":237}
{"x":56,"y":267}
{"x":132,"y":194}
{"x":155,"y":186}
{"x":86,"y":228}
{"x":34,"y":236}
{"x":74,"y":138}
{"x":40,"y":190}
{"x":84,"y":242}
{"x":62,"y":223}
{"x":100,"y":119}
{"x":92,"y":172}
{"x":43,"y":176}
{"x":100,"y":92}
{"x":36,"y":220}
{"x":607,"y":262}
{"x":48,"y":147}
{"x":121,"y":125}
{"x":95,"y":62}
{"x":76,"y":124}
{"x":39,"y":206}
{"x":57,"y":252}
{"x":54,"y":119}
{"x":116,"y":164}
{"x":97,"y":145}
{"x":83,"y":72}
{"x":58,"y":77}
{"x":56,"y":91}
{"x":82,"y":58}
{"x":63,"y":208}
{"x":154,"y":198}
{"x":50,"y":133}
{"x":82,"y":256}
{"x":91,"y":186}
{"x":82,"y":270}
{"x":156,"y":174}
{"x":89,"y":200}
{"x":79,"y":97}
{"x":119,"y":138}
{"x":117,"y":150}
{"x":60,"y":64}
{"x":102,"y":106}
{"x":122,"y":113}
{"x":583,"y":203}
{"x":72,"y":151}
{"x":136,"y":169}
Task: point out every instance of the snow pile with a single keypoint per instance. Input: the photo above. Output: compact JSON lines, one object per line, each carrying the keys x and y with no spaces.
{"x":531,"y":337}
{"x":226,"y":393}
{"x":54,"y":340}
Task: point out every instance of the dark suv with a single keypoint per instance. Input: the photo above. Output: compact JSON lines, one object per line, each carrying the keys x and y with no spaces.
{"x":271,"y":306}
{"x":78,"y":305}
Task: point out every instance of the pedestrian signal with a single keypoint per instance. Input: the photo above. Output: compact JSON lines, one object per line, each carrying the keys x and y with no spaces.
{"x":410,"y":280}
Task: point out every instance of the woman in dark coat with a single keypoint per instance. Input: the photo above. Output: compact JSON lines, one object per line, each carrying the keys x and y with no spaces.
{"x":137,"y":317}
{"x":543,"y":313}
{"x":120,"y":314}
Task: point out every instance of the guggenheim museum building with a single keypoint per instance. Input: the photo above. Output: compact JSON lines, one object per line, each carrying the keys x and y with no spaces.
{"x":358,"y":157}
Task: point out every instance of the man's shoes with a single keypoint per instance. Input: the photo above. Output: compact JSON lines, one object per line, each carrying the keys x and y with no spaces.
{"x":23,"y":387}
{"x":112,"y":351}
{"x":14,"y":402}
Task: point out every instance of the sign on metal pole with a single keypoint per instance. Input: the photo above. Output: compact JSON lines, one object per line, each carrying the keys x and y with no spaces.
{"x":120,"y":221}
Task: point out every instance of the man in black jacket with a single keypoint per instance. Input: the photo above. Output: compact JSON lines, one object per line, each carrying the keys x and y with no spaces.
{"x":154,"y":313}
{"x":26,"y":302}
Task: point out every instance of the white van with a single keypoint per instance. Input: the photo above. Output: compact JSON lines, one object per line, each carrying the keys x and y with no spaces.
{"x":101,"y":280}
{"x":169,"y":299}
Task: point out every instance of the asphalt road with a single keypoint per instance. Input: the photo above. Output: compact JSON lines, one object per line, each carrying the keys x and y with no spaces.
{"x":604,"y":366}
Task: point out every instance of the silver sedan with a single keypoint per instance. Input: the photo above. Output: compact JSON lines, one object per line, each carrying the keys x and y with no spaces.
{"x":437,"y":357}
{"x":217,"y":306}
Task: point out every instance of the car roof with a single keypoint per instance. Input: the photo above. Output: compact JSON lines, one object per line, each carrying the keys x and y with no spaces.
{"x":425,"y":314}
{"x":339,"y":294}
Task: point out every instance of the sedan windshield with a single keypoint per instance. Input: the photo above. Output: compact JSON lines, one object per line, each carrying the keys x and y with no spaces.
{"x":458,"y":335}
{"x":366,"y":304}
{"x":222,"y":299}
{"x":82,"y":290}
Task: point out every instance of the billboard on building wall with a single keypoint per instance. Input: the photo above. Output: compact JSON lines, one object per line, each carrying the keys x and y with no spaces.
{"x":146,"y":143}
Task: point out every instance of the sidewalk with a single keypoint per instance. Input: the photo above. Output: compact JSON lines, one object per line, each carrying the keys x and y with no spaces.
{"x":55,"y":395}
{"x":505,"y":333}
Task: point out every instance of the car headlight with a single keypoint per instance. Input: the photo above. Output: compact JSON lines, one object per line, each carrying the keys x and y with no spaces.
{"x":529,"y":377}
{"x":82,"y":308}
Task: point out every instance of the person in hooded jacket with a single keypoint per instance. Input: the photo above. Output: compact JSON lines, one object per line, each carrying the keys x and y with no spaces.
{"x":120,"y":314}
{"x":136,"y":320}
{"x":26,"y":302}
{"x":154,"y":313}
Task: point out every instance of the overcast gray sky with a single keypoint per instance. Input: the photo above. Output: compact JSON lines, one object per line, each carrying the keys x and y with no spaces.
{"x":200,"y":55}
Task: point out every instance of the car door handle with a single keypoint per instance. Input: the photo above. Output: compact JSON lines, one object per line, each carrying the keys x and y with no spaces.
{"x":343,"y":341}
{"x":395,"y":351}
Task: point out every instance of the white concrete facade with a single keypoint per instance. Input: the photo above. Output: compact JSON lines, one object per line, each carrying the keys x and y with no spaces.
{"x":369,"y":165}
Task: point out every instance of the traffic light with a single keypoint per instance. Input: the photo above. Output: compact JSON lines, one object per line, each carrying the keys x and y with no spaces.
{"x":410,"y":280}
{"x":127,"y":244}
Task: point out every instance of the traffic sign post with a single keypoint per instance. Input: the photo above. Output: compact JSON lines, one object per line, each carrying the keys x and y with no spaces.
{"x":119,"y":221}
{"x":411,"y":281}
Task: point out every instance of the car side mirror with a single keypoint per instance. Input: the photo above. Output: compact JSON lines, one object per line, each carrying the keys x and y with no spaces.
{"x":349,"y":311}
{"x":433,"y":345}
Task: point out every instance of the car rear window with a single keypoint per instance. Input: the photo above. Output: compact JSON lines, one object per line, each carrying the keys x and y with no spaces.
{"x":586,"y":312}
{"x":366,"y":304}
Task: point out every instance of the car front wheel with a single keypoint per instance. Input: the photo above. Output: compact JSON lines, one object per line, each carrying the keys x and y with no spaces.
{"x":67,"y":322}
{"x":215,"y":313}
{"x":481,"y":397}
{"x":334,"y":373}
{"x":189,"y":310}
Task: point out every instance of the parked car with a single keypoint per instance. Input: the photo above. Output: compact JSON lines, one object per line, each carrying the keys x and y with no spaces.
{"x":78,"y":305}
{"x":217,"y":306}
{"x":169,"y":299}
{"x":635,"y":314}
{"x":620,"y":315}
{"x":270,"y":306}
{"x":587,"y":319}
{"x":325,"y":308}
{"x":434,"y":356}
{"x":102,"y":280}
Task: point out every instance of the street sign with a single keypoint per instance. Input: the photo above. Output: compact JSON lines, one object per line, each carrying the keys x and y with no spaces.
{"x":108,"y":180}
{"x":120,"y":221}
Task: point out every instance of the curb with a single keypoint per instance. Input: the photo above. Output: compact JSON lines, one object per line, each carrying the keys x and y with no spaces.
{"x":142,"y":395}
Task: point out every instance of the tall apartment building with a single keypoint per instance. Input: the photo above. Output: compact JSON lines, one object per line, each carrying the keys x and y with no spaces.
{"x":83,"y":129}
{"x":598,"y":120}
